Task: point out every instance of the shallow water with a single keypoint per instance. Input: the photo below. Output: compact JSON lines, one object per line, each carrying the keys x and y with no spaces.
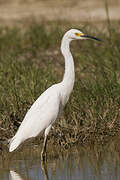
{"x":79,"y":163}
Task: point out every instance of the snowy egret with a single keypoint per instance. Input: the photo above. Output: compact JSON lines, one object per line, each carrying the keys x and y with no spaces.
{"x":47,"y":108}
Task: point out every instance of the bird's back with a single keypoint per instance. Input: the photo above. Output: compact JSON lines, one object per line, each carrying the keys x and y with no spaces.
{"x":42,"y":113}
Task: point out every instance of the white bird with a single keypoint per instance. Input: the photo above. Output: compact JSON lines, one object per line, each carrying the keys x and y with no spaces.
{"x":47,"y":108}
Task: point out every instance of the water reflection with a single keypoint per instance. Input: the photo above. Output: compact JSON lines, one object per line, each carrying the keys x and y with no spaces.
{"x":82,"y":163}
{"x":44,"y":168}
{"x":16,"y":176}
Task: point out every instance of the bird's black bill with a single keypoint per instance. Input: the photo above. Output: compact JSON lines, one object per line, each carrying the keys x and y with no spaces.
{"x":91,"y":37}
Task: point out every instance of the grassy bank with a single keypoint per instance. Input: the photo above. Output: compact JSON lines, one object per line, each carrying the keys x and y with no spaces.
{"x":30,"y":62}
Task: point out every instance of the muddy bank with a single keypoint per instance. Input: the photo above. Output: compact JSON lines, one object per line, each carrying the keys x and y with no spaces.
{"x":72,"y":11}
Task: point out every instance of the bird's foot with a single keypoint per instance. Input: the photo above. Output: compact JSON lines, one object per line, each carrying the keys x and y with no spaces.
{"x":43,"y":156}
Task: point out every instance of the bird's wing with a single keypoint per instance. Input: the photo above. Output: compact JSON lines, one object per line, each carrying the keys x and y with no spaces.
{"x":42,"y":113}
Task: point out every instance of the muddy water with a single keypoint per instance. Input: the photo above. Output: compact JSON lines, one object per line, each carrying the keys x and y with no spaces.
{"x":79,"y":163}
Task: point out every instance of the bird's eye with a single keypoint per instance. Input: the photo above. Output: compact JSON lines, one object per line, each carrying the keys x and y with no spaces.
{"x":77,"y":34}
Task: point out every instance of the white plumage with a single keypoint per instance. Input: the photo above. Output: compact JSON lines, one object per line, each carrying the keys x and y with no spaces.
{"x":42,"y":113}
{"x":47,"y":108}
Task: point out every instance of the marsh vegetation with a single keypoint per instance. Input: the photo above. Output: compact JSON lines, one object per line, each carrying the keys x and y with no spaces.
{"x":30,"y":62}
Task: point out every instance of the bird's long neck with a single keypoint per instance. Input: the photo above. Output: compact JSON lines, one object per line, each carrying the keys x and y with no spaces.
{"x":69,"y":75}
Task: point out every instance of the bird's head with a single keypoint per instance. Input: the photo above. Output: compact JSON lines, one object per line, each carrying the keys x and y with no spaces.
{"x":74,"y":34}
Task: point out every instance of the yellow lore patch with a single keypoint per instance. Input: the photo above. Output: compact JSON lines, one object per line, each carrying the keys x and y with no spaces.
{"x":79,"y":34}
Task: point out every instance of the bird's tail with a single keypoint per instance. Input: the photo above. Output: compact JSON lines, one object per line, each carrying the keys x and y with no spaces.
{"x":13,"y":143}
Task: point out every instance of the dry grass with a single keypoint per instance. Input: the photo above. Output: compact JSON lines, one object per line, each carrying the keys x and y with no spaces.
{"x":30,"y":62}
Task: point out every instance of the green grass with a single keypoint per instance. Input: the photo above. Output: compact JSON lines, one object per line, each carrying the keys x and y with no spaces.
{"x":29,"y":65}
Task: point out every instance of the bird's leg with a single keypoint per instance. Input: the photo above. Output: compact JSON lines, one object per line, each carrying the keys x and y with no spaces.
{"x":44,"y":169}
{"x":43,"y":153}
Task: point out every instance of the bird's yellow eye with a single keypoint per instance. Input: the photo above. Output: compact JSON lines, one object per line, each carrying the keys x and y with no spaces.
{"x":77,"y":34}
